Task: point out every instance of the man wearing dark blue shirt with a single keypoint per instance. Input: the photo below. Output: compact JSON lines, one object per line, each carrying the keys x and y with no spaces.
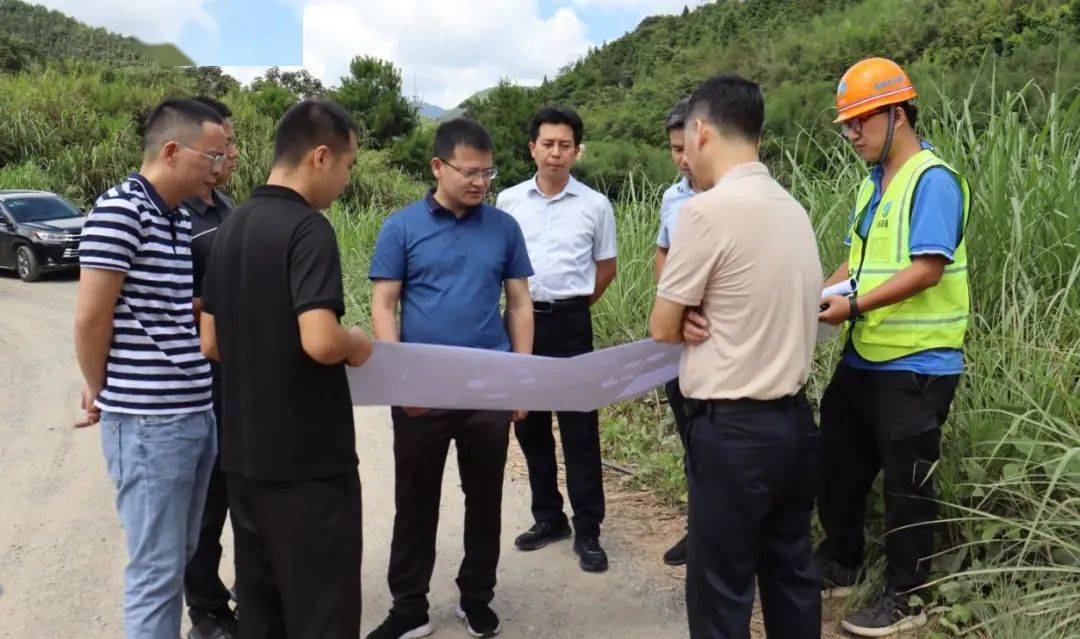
{"x":446,"y":260}
{"x":207,"y":597}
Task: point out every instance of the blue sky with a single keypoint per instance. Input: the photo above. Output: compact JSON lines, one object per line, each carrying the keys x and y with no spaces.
{"x":251,"y":32}
{"x":605,"y":22}
{"x":262,"y":32}
{"x":446,"y":49}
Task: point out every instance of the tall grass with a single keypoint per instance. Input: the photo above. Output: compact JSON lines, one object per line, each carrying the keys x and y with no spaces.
{"x":77,"y":132}
{"x":1009,"y":478}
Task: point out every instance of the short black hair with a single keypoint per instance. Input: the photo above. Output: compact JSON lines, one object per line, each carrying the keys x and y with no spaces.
{"x":310,"y":124}
{"x":463,"y":131}
{"x":733,"y":104}
{"x":556,"y":115}
{"x":215,"y":104}
{"x":911,"y":111}
{"x":676,"y":117}
{"x":176,"y":118}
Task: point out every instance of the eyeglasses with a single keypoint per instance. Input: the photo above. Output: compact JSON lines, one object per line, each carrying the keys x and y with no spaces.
{"x":218,"y":159}
{"x":855,"y":125}
{"x":473,"y":174}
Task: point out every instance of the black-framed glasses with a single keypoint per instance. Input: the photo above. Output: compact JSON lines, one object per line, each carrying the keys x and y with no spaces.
{"x":473,"y":174}
{"x":218,"y":159}
{"x":855,"y":125}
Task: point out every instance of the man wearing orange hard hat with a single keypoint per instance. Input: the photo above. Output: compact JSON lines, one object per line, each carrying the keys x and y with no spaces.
{"x":904,"y":333}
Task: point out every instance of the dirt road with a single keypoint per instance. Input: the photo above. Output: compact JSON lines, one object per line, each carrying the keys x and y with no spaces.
{"x":62,"y":552}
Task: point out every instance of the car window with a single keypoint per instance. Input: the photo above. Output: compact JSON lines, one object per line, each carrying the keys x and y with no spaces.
{"x":39,"y":209}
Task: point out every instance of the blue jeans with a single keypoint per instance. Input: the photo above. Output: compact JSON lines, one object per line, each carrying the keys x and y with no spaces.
{"x":160,"y":465}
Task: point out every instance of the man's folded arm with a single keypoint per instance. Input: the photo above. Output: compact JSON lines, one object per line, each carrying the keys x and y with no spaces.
{"x":665,"y":323}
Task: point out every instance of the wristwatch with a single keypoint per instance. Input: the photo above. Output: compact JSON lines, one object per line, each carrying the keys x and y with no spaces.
{"x":854,"y":314}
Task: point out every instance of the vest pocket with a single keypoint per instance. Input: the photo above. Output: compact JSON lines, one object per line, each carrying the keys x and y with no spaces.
{"x":878,"y":250}
{"x":875,"y":331}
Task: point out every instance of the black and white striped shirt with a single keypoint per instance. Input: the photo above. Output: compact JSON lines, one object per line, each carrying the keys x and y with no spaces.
{"x":154,"y":365}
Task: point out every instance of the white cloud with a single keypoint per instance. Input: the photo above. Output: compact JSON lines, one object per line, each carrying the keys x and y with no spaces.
{"x":152,"y":21}
{"x":446,"y":50}
{"x":449,"y":49}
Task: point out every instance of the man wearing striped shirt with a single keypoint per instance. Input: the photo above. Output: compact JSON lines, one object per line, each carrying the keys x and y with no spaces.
{"x":146,"y":381}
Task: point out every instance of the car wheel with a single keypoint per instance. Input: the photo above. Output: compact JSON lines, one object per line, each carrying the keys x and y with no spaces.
{"x":26,"y":264}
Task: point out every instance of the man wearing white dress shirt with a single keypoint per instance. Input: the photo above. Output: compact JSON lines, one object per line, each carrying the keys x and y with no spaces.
{"x":570,"y":234}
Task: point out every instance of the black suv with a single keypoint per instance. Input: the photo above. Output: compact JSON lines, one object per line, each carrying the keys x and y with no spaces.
{"x":39,"y":233}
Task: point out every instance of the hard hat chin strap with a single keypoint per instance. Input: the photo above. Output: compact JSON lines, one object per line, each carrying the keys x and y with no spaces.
{"x":888,"y":135}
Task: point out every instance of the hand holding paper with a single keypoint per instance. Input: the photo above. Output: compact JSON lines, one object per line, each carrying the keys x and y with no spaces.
{"x":840,"y":289}
{"x":844,"y":288}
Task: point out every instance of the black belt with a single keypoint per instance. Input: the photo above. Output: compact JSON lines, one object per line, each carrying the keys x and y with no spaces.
{"x":707,"y":406}
{"x":568,"y":304}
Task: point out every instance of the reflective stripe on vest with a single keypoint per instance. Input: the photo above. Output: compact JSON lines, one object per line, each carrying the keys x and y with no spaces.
{"x":934,"y":318}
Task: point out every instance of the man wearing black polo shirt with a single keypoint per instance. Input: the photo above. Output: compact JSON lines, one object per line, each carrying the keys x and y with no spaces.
{"x":447,"y":259}
{"x":207,"y":597}
{"x":272,"y":300}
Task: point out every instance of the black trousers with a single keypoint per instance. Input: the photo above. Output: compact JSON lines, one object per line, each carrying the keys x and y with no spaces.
{"x":751,"y":470}
{"x":564,"y":332}
{"x":874,"y":421}
{"x":298,"y":547}
{"x":677,"y":403}
{"x":203,"y":588}
{"x":420,"y":447}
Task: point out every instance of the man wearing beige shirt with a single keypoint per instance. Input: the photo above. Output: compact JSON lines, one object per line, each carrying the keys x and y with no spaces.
{"x":745,"y":254}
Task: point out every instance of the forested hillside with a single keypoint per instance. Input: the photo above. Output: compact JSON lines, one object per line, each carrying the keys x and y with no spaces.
{"x":797,"y":51}
{"x":44,"y":33}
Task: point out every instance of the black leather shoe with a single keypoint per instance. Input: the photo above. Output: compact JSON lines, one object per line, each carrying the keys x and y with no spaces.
{"x":543,"y":533}
{"x":593,"y":557}
{"x":676,"y":555}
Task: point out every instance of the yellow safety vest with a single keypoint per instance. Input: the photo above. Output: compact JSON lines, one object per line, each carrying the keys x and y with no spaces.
{"x":934,"y":318}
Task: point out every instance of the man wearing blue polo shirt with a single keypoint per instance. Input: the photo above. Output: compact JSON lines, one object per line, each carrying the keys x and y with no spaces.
{"x":446,"y":259}
{"x":672,"y":202}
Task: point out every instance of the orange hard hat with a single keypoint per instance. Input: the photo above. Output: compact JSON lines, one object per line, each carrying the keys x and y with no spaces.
{"x":870,"y":84}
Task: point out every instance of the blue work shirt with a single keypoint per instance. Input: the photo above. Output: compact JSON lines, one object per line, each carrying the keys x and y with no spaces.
{"x":451,"y":271}
{"x":672,"y":202}
{"x":936,"y":225}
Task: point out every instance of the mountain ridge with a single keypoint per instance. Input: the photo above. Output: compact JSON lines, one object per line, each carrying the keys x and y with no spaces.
{"x":55,"y":34}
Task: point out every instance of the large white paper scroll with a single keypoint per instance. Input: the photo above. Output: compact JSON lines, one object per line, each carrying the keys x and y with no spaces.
{"x":430,"y":376}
